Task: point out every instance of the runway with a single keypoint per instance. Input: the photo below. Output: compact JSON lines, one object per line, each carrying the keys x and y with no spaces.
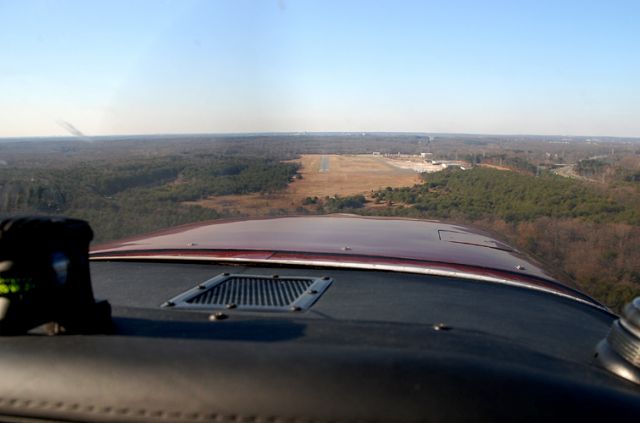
{"x":324,"y":164}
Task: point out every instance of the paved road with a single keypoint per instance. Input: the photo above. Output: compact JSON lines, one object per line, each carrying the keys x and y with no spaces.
{"x":324,"y":164}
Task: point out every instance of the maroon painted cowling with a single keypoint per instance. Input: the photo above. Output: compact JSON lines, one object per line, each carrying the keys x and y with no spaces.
{"x":344,"y":241}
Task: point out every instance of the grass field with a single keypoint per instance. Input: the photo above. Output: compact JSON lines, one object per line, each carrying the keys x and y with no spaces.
{"x":322,"y":176}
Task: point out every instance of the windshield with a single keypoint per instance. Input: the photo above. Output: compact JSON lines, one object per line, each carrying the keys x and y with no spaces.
{"x":519,"y":118}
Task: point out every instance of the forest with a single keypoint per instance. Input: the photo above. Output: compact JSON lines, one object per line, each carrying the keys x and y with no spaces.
{"x":137,"y":195}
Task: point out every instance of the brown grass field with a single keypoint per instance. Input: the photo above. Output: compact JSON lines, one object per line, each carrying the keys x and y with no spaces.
{"x":347,"y":175}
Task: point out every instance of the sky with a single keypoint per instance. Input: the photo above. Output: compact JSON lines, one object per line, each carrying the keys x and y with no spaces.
{"x":220,"y":66}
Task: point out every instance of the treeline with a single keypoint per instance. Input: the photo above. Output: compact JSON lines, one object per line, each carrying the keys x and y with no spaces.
{"x":590,"y":168}
{"x":138,"y":195}
{"x":588,"y":237}
{"x":482,"y":193}
{"x":512,"y":161}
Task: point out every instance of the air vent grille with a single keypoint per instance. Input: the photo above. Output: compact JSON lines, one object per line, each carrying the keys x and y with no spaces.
{"x":253,"y":292}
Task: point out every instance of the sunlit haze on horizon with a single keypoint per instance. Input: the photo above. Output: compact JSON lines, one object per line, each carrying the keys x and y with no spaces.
{"x":137,"y":67}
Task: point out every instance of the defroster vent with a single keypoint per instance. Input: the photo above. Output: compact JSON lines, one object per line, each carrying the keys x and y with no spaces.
{"x":253,"y":292}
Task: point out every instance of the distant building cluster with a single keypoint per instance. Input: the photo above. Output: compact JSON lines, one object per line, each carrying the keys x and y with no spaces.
{"x":421,"y":162}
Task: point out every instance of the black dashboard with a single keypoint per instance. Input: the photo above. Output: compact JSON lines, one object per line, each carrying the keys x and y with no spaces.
{"x":375,"y":346}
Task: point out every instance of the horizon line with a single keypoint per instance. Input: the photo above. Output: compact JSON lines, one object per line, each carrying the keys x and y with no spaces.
{"x":86,"y":137}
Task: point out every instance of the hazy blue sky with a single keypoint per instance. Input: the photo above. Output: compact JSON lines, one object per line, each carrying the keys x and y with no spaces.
{"x":128,"y":67}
